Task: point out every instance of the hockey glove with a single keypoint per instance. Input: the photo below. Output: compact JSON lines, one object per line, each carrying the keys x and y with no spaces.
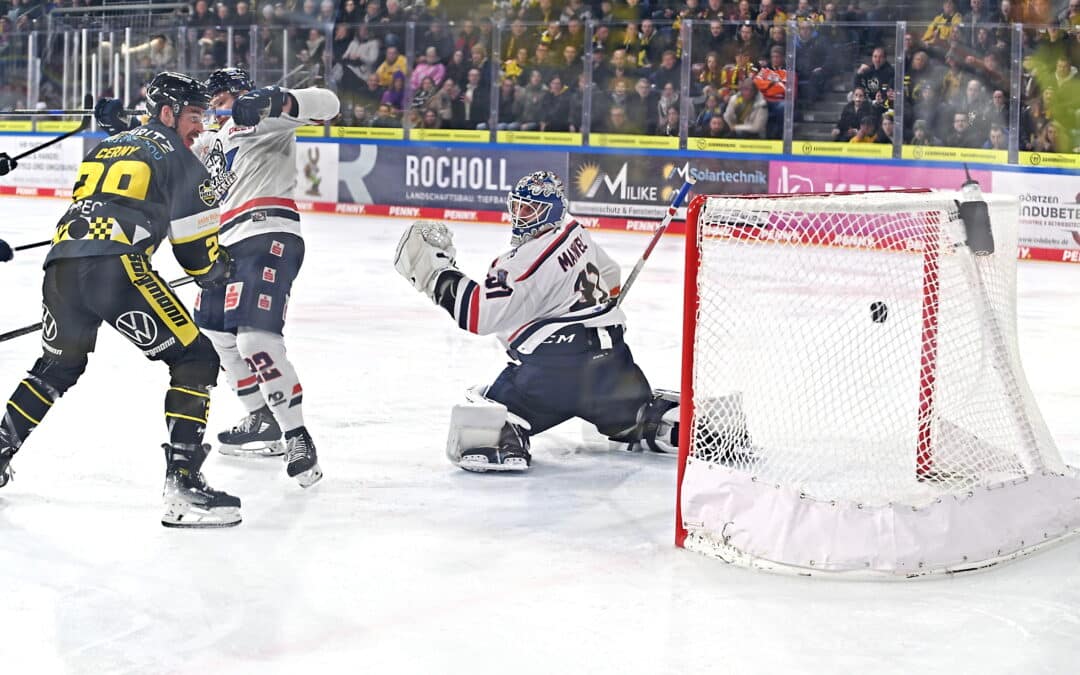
{"x":426,"y":249}
{"x":220,"y":272}
{"x":255,"y":106}
{"x":108,"y":113}
{"x":7,"y":163}
{"x":5,"y":251}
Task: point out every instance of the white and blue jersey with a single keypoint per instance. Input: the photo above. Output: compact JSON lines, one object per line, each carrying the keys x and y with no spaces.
{"x":537,"y":296}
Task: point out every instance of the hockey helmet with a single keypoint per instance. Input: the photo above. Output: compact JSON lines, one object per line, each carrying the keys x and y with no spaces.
{"x":177,"y":91}
{"x":232,"y":80}
{"x":537,"y":204}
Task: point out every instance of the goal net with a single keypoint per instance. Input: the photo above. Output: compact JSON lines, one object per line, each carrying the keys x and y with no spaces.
{"x":853,"y":398}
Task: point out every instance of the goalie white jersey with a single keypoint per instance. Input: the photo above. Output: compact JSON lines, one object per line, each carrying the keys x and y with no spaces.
{"x":559,"y":279}
{"x":254,"y":168}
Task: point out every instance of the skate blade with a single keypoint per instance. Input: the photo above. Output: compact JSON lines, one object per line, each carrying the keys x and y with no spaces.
{"x":480,"y":464}
{"x":309,"y":477}
{"x":193,"y":518}
{"x":269,"y":449}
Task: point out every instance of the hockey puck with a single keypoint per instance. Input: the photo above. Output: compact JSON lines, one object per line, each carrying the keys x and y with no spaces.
{"x":879,"y":311}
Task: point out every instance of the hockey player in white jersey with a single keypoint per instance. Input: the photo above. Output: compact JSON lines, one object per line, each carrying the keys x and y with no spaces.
{"x":549,"y":300}
{"x":252,"y":159}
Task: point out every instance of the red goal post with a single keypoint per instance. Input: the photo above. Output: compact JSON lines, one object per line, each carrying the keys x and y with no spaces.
{"x":847,"y":359}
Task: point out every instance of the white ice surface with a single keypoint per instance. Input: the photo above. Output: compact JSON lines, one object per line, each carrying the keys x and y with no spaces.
{"x":400,"y":563}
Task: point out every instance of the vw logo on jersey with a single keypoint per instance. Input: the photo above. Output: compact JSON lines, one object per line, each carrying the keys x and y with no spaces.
{"x":138,"y":327}
{"x":48,"y":325}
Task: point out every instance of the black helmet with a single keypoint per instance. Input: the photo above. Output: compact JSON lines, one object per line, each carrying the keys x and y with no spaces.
{"x":232,"y":80}
{"x":176,"y":90}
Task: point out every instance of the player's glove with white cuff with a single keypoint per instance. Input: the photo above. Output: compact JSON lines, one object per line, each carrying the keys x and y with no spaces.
{"x":7,"y":163}
{"x":220,"y":272}
{"x":255,"y":106}
{"x":426,"y":250}
{"x":108,"y":113}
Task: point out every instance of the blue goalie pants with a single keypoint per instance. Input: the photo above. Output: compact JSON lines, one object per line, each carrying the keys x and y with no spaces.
{"x":604,"y":387}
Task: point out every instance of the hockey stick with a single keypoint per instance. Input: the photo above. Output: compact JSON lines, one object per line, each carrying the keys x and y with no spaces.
{"x":34,"y":245}
{"x":71,"y":112}
{"x":679,"y":196}
{"x":89,"y":101}
{"x":26,"y":330}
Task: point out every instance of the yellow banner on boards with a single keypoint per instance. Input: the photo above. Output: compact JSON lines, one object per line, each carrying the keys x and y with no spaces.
{"x":1058,"y":160}
{"x":16,"y":125}
{"x":944,"y":154}
{"x":748,"y":145}
{"x":837,"y":149}
{"x":539,"y":137}
{"x":634,"y":141}
{"x":57,"y":127}
{"x":310,"y":131}
{"x":373,"y":133}
{"x":450,"y":135}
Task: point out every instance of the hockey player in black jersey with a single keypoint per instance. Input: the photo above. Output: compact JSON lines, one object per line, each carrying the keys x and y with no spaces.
{"x":133,"y":190}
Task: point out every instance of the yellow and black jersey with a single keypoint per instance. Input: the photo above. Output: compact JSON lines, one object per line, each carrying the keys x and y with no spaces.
{"x":135,"y":189}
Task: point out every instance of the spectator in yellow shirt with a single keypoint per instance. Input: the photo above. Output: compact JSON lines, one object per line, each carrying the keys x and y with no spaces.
{"x":394,"y":63}
{"x":938,"y":32}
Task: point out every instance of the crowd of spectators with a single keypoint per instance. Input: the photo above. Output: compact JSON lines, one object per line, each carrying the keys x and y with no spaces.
{"x":958,"y":88}
{"x":534,"y":71}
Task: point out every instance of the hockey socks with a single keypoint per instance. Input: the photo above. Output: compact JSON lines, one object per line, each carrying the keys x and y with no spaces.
{"x":186,"y":411}
{"x":278,"y":383}
{"x":241,"y":379}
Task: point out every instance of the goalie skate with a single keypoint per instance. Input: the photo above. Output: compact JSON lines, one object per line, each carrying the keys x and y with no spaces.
{"x":256,"y":435}
{"x":190,"y":502}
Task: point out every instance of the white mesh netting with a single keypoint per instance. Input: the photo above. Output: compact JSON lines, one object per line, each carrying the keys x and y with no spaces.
{"x":850,"y":350}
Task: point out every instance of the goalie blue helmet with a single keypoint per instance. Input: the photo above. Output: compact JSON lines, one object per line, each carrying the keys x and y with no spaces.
{"x":536,"y":205}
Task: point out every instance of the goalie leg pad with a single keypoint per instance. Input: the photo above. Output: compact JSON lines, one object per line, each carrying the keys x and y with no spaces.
{"x":482,"y":439}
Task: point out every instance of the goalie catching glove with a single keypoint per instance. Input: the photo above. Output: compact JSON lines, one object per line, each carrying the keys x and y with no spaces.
{"x":425,"y":251}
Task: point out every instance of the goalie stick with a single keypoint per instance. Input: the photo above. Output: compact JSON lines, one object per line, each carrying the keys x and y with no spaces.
{"x":26,"y":330}
{"x":672,"y":209}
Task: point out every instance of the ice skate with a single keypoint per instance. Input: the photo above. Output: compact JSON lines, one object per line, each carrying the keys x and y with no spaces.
{"x":189,"y":501}
{"x":256,"y":435}
{"x":7,"y":451}
{"x":511,"y":454}
{"x":301,"y":462}
{"x":6,"y":472}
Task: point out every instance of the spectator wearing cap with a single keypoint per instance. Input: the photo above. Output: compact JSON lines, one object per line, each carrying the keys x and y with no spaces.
{"x":921,"y":134}
{"x":747,"y":114}
{"x":867,"y":131}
